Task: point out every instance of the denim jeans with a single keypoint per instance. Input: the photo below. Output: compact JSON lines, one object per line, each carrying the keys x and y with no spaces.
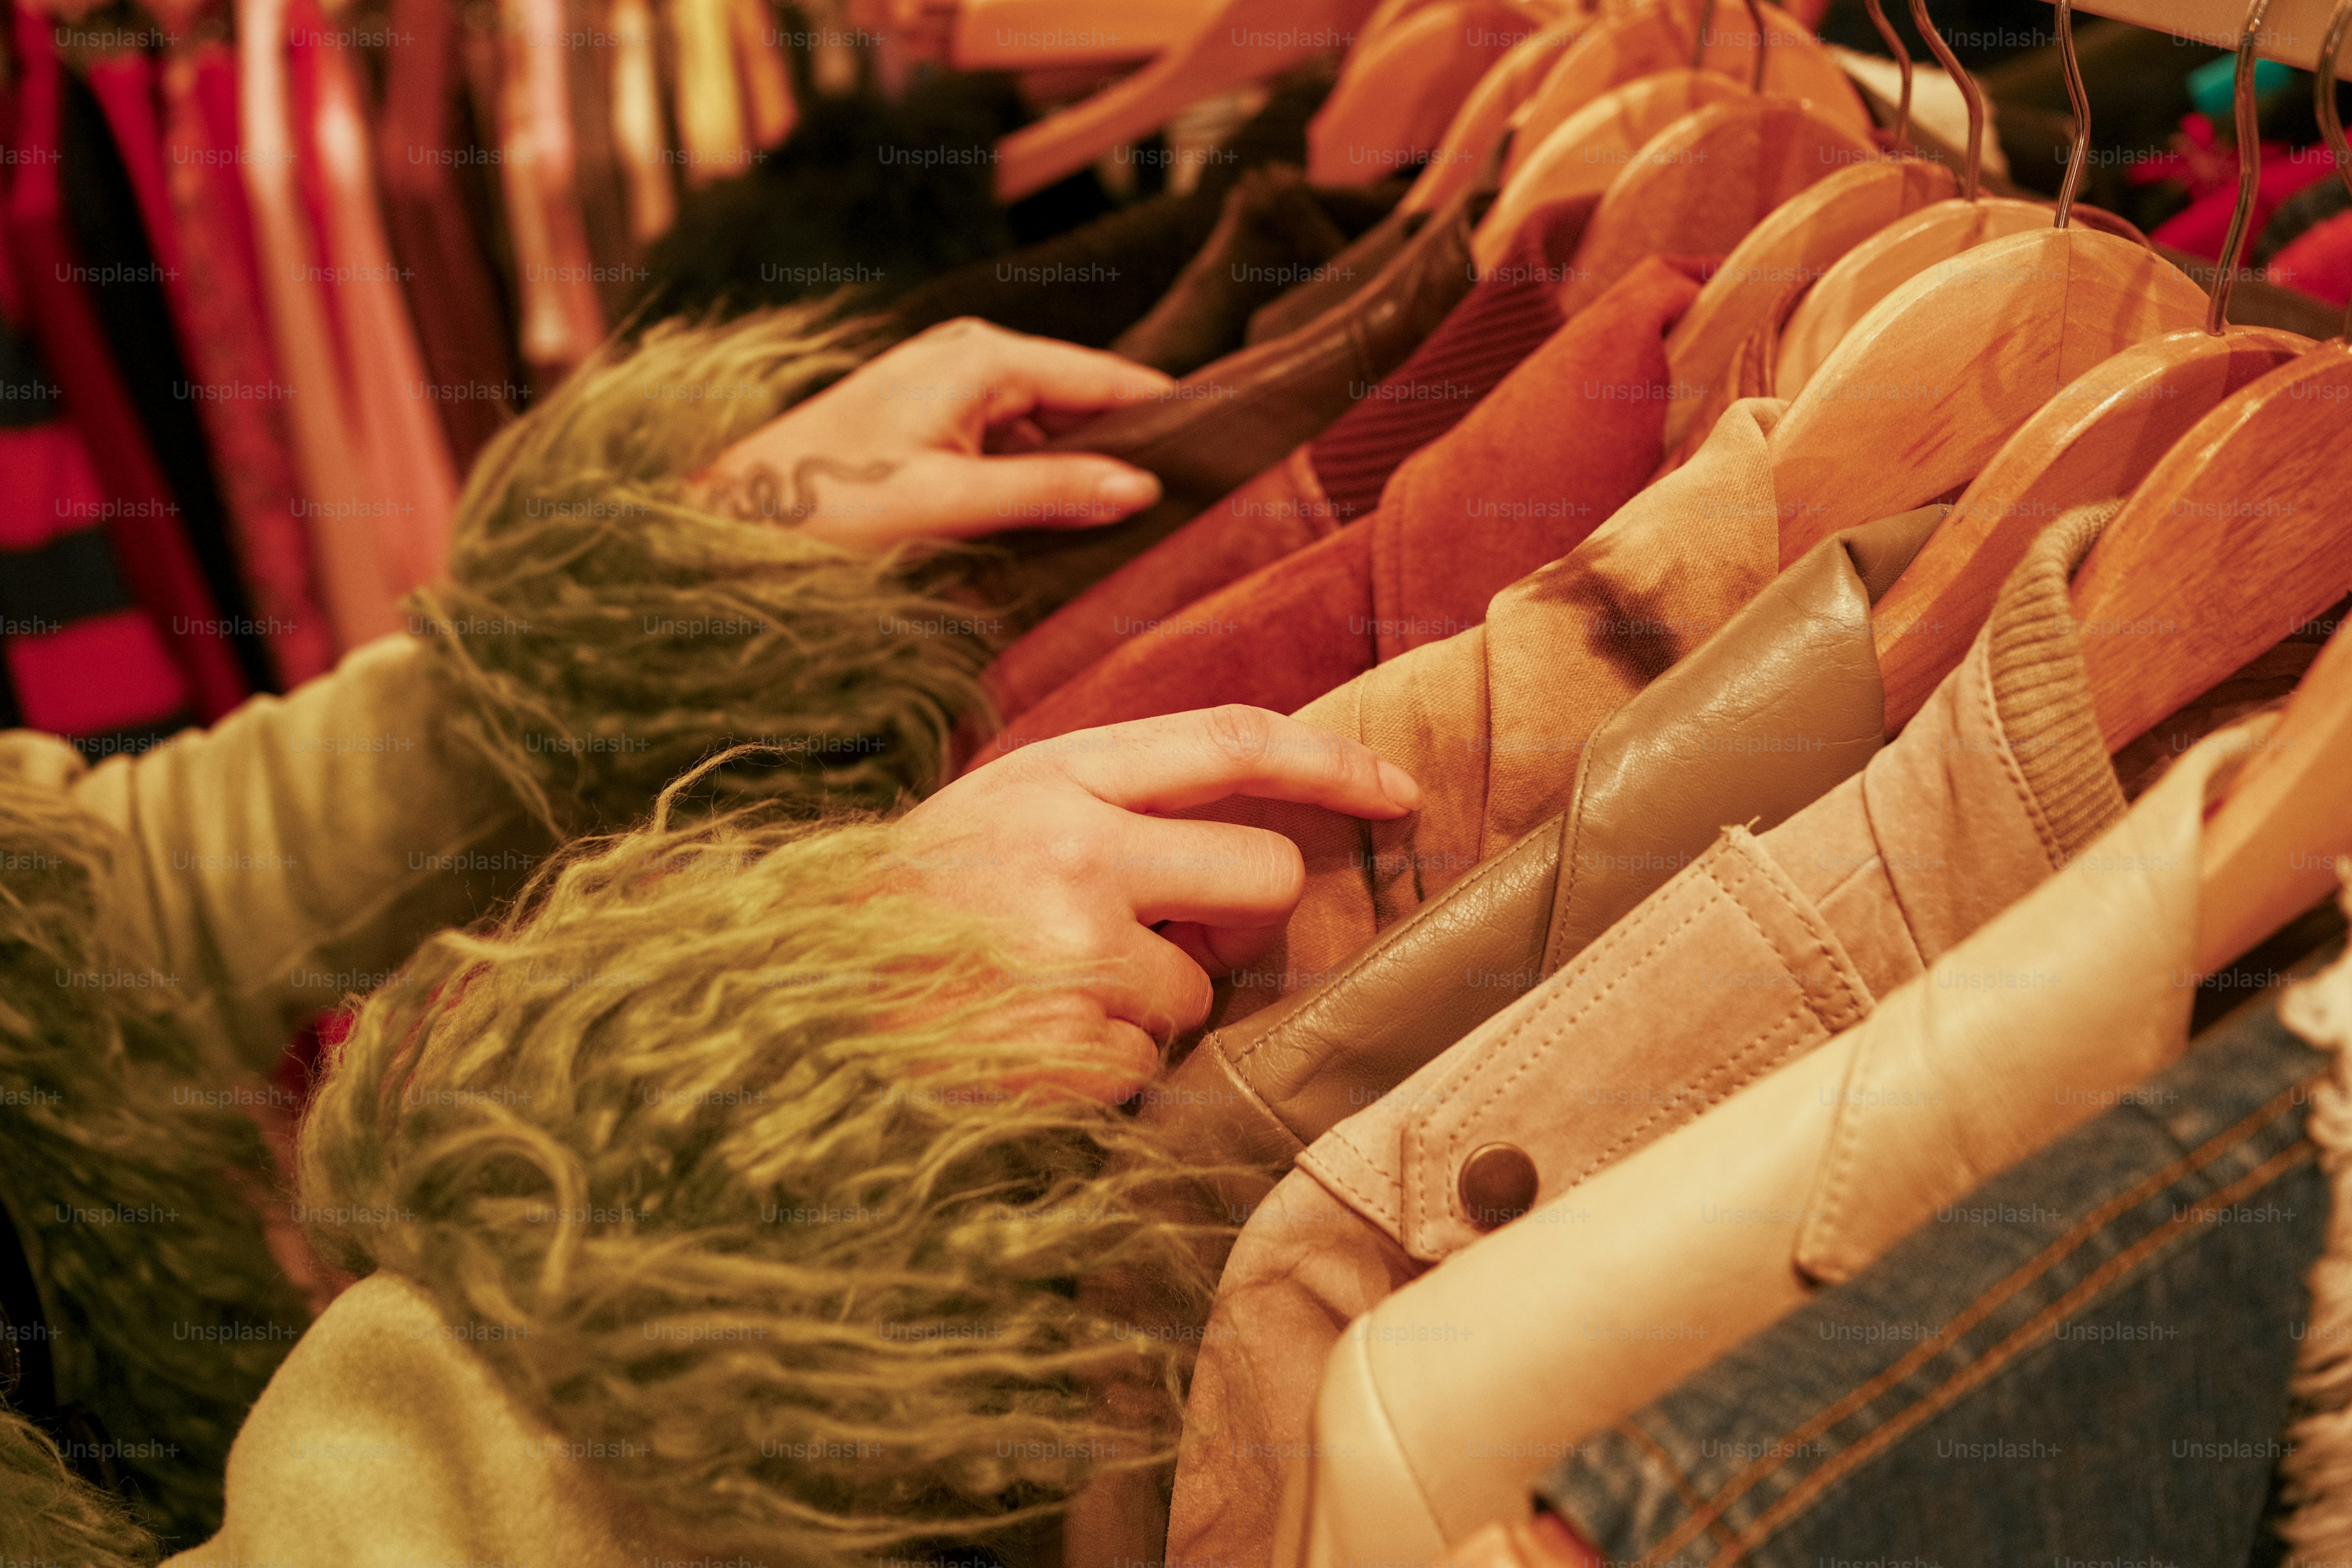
{"x":2084,"y":1365}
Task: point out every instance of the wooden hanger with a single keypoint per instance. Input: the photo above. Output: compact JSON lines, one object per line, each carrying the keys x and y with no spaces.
{"x":1662,"y":35}
{"x":1486,"y":116}
{"x":1799,"y":239}
{"x":2270,"y":852}
{"x":1701,"y":183}
{"x":2094,"y":441}
{"x":1397,"y":82}
{"x":1931,"y":382}
{"x":1587,"y":152}
{"x":2272,"y":848}
{"x":2098,"y":439}
{"x":1243,"y":41}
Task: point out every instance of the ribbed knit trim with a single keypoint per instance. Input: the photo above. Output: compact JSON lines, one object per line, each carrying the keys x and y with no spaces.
{"x":2041,"y":688}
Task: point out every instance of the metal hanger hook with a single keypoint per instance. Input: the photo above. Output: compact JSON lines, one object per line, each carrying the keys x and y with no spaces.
{"x":1698,"y":44}
{"x":2080,"y":97}
{"x":2250,"y":168}
{"x":1895,"y":46}
{"x":2331,"y":124}
{"x":1968,"y":90}
{"x":1756,"y":18}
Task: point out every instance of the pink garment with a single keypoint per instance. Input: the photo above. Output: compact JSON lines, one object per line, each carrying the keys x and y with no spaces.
{"x":142,"y":517}
{"x":2318,"y":261}
{"x":407,"y":451}
{"x":2212,"y":176}
{"x":563,"y":319}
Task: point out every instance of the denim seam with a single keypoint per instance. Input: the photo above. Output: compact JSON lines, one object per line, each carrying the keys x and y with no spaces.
{"x":1701,"y":1515}
{"x":2024,"y":1337}
{"x":2018,"y":1279}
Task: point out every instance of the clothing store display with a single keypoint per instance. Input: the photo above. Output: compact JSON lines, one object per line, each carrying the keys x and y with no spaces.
{"x":2077,"y":1330}
{"x":562,"y":316}
{"x":241,"y":395}
{"x":54,"y":285}
{"x":81,"y":659}
{"x":1229,"y":419}
{"x":1324,"y":483}
{"x":1759,"y":722}
{"x":473,"y":382}
{"x":1273,"y":231}
{"x":1486,"y":717}
{"x":1566,"y":438}
{"x":1679,"y":1252}
{"x":1760,"y":950}
{"x":360,"y":595}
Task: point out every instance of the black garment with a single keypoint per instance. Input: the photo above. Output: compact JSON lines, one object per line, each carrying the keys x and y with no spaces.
{"x":103,"y":220}
{"x":1093,"y":283}
{"x":865,"y":193}
{"x":2298,"y":214}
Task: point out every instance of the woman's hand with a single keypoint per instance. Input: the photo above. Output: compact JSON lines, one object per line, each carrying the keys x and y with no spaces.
{"x":1123,"y":912}
{"x":936,"y":440}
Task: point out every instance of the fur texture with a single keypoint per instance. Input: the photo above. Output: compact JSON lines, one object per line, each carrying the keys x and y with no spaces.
{"x":604,"y":637}
{"x":713,"y":1120}
{"x":134,"y":1180}
{"x":51,"y":1515}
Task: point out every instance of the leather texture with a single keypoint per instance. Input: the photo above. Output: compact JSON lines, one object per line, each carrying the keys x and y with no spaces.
{"x":1228,"y":421}
{"x":1782,"y":705}
{"x":1274,"y":230}
{"x":2029,"y":1027}
{"x":1364,"y":258}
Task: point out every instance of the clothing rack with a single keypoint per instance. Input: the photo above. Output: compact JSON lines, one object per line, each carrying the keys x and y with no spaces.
{"x":2290,"y":33}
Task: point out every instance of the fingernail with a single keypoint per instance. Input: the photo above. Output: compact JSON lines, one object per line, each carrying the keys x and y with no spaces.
{"x":1128,"y":488}
{"x":1398,"y":786}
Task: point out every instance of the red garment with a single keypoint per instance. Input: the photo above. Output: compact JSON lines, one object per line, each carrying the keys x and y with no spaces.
{"x":2318,"y":261}
{"x":1513,"y":308}
{"x":1564,"y":441}
{"x":1336,"y":477}
{"x":2212,"y":176}
{"x":153,"y":555}
{"x":224,"y":338}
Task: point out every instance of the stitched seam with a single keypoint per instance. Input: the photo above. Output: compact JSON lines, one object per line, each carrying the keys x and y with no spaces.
{"x":1750,"y":873}
{"x":1502,"y":1046}
{"x":2043,"y":830}
{"x":1364,"y":959}
{"x":1633,"y":1137}
{"x":1684,"y":1487}
{"x":2018,"y":1341}
{"x":2033,"y":1268}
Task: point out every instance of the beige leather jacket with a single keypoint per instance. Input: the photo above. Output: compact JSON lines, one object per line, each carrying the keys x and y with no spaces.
{"x":1756,"y":954}
{"x":1674,"y":1254}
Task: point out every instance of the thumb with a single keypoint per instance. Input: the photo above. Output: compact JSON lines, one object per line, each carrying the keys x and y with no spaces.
{"x":965,"y":496}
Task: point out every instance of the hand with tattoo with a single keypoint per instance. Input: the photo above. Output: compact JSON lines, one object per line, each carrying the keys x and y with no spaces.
{"x":937,"y":438}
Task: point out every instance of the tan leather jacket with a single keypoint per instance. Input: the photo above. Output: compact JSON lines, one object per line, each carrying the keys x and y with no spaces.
{"x":1689,"y":752}
{"x":1759,"y":952}
{"x":1674,"y":1254}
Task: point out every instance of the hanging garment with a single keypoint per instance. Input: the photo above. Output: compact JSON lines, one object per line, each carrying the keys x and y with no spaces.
{"x":472,"y":379}
{"x":1273,"y":231}
{"x":1225,"y":422}
{"x":2318,"y":261}
{"x":141,"y":515}
{"x":2055,"y":1010}
{"x":338,"y":504}
{"x":1365,"y":256}
{"x":2085,"y":1357}
{"x":563,"y":319}
{"x":119,"y":217}
{"x":1760,"y":951}
{"x":1760,"y":721}
{"x":866,"y":192}
{"x":1568,"y":438}
{"x":1490,"y":721}
{"x":83,"y":661}
{"x":243,"y":395}
{"x":2212,"y":176}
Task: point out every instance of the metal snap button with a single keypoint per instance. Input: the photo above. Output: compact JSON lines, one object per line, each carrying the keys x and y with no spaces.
{"x":1497,"y":1185}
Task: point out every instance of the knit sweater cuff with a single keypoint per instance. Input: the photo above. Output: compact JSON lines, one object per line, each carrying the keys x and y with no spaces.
{"x":2033,"y":654}
{"x":599,"y":635}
